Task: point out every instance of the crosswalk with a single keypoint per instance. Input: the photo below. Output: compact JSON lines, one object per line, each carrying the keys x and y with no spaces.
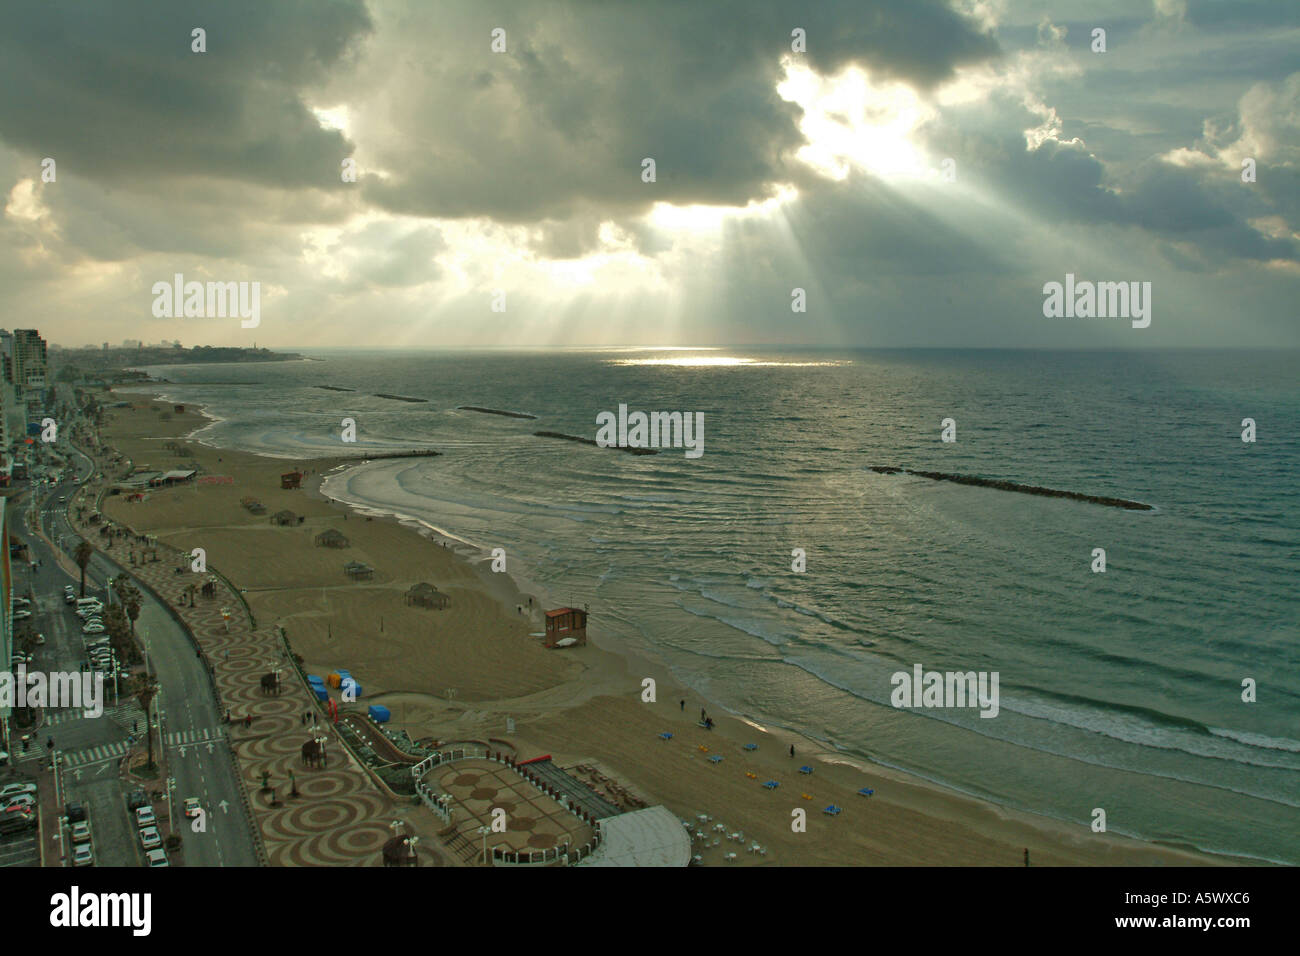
{"x":189,"y":738}
{"x":91,"y":755}
{"x":128,"y":716}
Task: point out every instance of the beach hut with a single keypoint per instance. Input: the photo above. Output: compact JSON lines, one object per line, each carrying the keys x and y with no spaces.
{"x":285,"y":517}
{"x":332,"y":538}
{"x":426,"y":595}
{"x":291,"y":480}
{"x":356,"y":570}
{"x":566,"y":624}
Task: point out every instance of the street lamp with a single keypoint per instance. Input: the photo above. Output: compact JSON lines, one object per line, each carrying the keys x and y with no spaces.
{"x":485,"y":831}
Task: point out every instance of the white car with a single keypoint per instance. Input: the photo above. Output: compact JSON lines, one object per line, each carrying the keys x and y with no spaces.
{"x":22,"y":602}
{"x":22,"y":615}
{"x":14,"y":789}
{"x":20,"y":800}
{"x":81,"y":832}
{"x":156,"y":858}
{"x":144,"y":817}
{"x":83,"y":855}
{"x":149,"y":838}
{"x":93,"y":629}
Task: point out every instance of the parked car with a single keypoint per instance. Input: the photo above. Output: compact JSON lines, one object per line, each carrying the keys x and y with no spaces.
{"x":75,"y":812}
{"x":22,"y":602}
{"x":17,"y":819}
{"x":93,"y":629}
{"x":81,"y":832}
{"x":83,"y":855}
{"x":13,"y":789}
{"x":22,"y":615}
{"x":144,"y":817}
{"x":19,"y":800}
{"x":149,"y":838}
{"x":135,"y":800}
{"x":40,"y":638}
{"x":192,"y":808}
{"x":156,"y":858}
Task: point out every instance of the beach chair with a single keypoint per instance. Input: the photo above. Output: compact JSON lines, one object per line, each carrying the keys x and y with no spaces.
{"x":751,"y":776}
{"x":703,"y":749}
{"x":731,"y":858}
{"x":866,"y":792}
{"x":772,"y":784}
{"x":751,"y":746}
{"x":716,"y":758}
{"x":833,"y":810}
{"x":805,"y":769}
{"x":806,"y":796}
{"x":665,"y":736}
{"x":719,"y":828}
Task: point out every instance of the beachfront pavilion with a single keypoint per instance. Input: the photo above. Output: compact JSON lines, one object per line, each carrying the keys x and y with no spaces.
{"x":332,"y":538}
{"x":534,"y":820}
{"x":285,"y":517}
{"x":427,"y":596}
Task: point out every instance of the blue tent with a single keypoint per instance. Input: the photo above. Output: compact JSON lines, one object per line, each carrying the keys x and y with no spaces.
{"x":379,"y":714}
{"x":321,"y":692}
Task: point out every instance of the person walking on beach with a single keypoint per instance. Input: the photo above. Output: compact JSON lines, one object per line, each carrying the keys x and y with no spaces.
{"x":792,"y":751}
{"x":1026,"y":856}
{"x":702,"y":715}
{"x":683,"y":706}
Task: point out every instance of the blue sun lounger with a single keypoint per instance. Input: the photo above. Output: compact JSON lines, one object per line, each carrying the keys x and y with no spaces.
{"x":771,"y":785}
{"x":805,"y":769}
{"x":665,"y":736}
{"x":833,"y":810}
{"x":716,"y":758}
{"x":751,"y":746}
{"x":865,"y":792}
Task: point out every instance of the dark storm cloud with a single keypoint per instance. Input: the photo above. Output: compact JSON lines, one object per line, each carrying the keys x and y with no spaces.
{"x":113,"y":92}
{"x":586,"y":91}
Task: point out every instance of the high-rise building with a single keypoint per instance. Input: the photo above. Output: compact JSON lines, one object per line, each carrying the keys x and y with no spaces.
{"x":29,"y":361}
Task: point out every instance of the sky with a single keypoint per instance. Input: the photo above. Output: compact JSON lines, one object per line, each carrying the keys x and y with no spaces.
{"x":920,"y":170}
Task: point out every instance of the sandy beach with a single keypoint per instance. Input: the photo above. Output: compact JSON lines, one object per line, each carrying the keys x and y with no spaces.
{"x":460,"y":672}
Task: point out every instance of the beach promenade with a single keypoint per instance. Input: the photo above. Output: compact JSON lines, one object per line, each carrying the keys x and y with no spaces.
{"x":340,"y":816}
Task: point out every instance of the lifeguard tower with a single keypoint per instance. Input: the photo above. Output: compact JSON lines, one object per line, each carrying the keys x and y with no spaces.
{"x":566,"y":627}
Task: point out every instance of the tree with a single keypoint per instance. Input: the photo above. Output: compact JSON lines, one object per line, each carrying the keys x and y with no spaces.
{"x":146,"y":693}
{"x":82,"y":556}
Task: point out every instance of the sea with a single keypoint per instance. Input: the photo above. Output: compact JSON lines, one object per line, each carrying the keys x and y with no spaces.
{"x":1163,"y":691}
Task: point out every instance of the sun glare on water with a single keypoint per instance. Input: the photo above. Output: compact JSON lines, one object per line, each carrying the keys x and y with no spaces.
{"x":713,"y":361}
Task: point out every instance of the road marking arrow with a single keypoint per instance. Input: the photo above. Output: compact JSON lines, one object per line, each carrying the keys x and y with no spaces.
{"x":182,"y":751}
{"x":209,"y":746}
{"x":225,"y":806}
{"x":77,"y":774}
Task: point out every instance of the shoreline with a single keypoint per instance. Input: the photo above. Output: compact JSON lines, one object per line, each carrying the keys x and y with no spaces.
{"x":607,"y":673}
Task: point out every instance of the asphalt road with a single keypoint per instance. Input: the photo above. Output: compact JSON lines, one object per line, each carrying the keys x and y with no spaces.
{"x":200,"y":762}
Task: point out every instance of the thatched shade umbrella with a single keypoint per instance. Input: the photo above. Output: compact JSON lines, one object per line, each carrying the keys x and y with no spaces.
{"x":332,"y":538}
{"x":427,"y":596}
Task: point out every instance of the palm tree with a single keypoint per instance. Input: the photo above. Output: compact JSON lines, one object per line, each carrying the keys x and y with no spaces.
{"x":133,"y":610}
{"x":82,"y":556}
{"x":148,"y":689}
